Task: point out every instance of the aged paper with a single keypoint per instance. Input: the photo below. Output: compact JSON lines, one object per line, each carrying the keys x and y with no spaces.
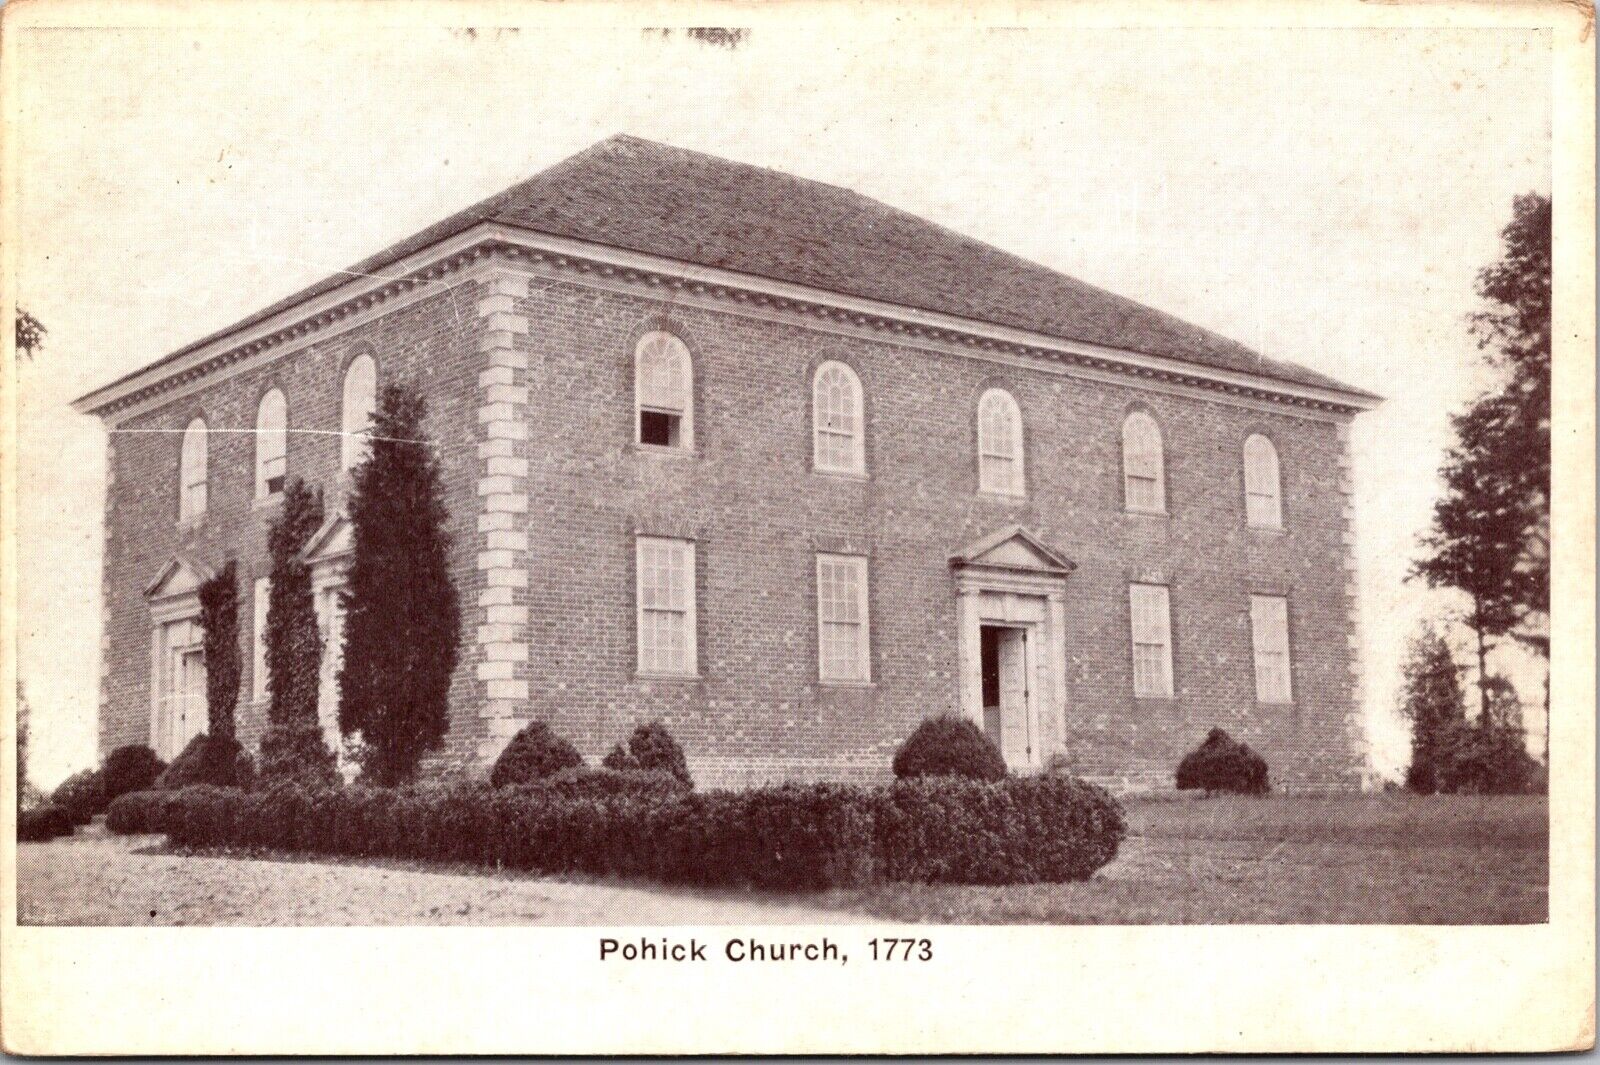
{"x":1080,"y":372}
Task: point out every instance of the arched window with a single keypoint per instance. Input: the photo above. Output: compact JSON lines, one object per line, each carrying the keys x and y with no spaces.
{"x":999,"y":443}
{"x":1263,"y":494}
{"x":356,"y":406}
{"x":663,"y":390}
{"x":836,"y":421}
{"x":192,"y":472}
{"x":1143,"y":478}
{"x":272,"y":444}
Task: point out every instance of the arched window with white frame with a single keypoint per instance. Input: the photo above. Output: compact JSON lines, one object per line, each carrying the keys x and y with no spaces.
{"x":999,"y":444}
{"x":192,"y":472}
{"x":1263,"y":485}
{"x":357,"y":402}
{"x":836,"y":420}
{"x":1143,"y":464}
{"x":272,"y":444}
{"x":663,"y":390}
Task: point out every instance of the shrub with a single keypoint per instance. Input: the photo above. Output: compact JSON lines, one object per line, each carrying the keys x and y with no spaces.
{"x":131,"y":768}
{"x":949,"y":746}
{"x":1020,"y":830}
{"x":140,"y":812}
{"x":82,"y":795}
{"x":220,"y":761}
{"x":43,"y":823}
{"x":1222,"y":763}
{"x":1481,"y":759}
{"x":651,"y":748}
{"x":581,"y":780}
{"x":534,"y":753}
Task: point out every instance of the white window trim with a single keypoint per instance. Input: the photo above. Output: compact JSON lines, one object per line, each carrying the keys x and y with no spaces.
{"x":354,"y":439}
{"x":188,"y":512}
{"x":858,"y":457}
{"x":1159,"y":450}
{"x":1258,"y":643}
{"x":1135,"y":643}
{"x":691,"y":616}
{"x":1019,"y":483}
{"x":863,"y":676}
{"x":685,"y":416}
{"x":1271,"y":468}
{"x":262,"y":458}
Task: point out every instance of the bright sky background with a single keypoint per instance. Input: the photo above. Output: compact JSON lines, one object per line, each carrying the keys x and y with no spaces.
{"x":1324,"y":195}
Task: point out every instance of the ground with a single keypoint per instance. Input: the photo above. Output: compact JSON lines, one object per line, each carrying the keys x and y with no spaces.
{"x":1278,"y":860}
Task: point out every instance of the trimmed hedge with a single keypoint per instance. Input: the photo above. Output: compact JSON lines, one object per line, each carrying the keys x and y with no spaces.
{"x":222,"y":762}
{"x":82,"y":795}
{"x":790,"y":837}
{"x":1023,"y":830}
{"x":533,"y":753}
{"x":949,"y":746}
{"x":140,"y":812}
{"x":131,"y":768}
{"x":1222,"y":763}
{"x":43,"y":823}
{"x":651,"y":748}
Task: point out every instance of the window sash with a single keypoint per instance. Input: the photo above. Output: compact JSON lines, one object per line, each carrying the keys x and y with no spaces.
{"x":836,"y":421}
{"x":999,"y":444}
{"x":258,"y":666}
{"x":1142,"y":464}
{"x":358,"y":402}
{"x":1263,"y":510}
{"x":662,"y":375}
{"x":1151,"y":624}
{"x":1269,"y":632}
{"x":666,"y":606}
{"x":842,"y":621}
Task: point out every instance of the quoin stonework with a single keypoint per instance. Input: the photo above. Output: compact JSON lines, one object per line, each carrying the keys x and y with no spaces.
{"x":779,"y":465}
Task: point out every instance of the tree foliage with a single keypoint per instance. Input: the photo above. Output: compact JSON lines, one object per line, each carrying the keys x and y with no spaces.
{"x":403,"y":619}
{"x":292,"y":745}
{"x":219,"y":626}
{"x":30,"y":334}
{"x":1433,"y":703}
{"x":1490,"y":537}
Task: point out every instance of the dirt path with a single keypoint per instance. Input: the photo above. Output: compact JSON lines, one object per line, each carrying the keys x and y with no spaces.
{"x":94,"y":878}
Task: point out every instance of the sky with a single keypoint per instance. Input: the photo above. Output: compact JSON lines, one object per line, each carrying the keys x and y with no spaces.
{"x":1326,"y":196}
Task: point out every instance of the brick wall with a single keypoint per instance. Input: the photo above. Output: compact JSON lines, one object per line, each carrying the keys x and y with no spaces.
{"x":530,"y":389}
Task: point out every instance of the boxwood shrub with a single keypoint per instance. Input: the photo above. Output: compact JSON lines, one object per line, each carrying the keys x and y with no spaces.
{"x":220,"y":761}
{"x":131,"y":768}
{"x":650,"y":748}
{"x":790,"y":837}
{"x":533,"y":753}
{"x":1222,"y":763}
{"x":43,"y":823}
{"x":82,"y":795}
{"x":140,"y":812}
{"x":949,"y":746}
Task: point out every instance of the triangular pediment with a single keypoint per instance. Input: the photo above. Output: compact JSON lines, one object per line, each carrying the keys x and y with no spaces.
{"x":1013,"y":548}
{"x":332,"y":541}
{"x":180,"y":576}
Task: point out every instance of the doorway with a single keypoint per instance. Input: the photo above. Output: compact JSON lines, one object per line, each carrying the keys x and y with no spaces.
{"x":1003,"y":652}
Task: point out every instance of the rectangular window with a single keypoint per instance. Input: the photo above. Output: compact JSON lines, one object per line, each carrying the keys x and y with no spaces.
{"x":842,"y":636}
{"x":666,"y":606}
{"x":1269,"y":631}
{"x":258,"y":668}
{"x":1152,"y":640}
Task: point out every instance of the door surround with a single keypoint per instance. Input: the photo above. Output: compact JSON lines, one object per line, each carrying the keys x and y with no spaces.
{"x":1011,"y":578}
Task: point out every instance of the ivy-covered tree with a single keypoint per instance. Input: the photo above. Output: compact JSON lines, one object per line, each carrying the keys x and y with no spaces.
{"x":1434,"y":704}
{"x":402,"y":629}
{"x":292,"y":745}
{"x":1491,"y":529}
{"x":219,"y":627}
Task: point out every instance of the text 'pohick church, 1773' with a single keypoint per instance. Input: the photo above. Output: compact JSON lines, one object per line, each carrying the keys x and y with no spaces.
{"x":779,"y":465}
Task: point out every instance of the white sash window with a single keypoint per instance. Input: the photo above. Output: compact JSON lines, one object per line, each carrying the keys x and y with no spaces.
{"x":1152,"y":640}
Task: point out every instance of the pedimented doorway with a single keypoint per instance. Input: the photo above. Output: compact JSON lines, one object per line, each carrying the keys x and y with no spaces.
{"x":1011,"y":595}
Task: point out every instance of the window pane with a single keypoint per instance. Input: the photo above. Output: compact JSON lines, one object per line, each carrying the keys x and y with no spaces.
{"x":1142,"y":462}
{"x":836,"y":415}
{"x":666,"y":606}
{"x":663,"y":372}
{"x":1269,"y":629}
{"x":1152,"y":640}
{"x":842,"y":617}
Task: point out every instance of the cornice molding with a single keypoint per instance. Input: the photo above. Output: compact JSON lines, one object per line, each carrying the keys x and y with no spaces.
{"x":490,"y":244}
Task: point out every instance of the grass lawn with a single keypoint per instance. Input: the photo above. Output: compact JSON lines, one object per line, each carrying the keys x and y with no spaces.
{"x":1380,"y":859}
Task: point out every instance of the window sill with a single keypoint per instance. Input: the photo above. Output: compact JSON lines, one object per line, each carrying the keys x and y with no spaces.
{"x":664,"y":450}
{"x":855,"y":684}
{"x":1275,"y":704}
{"x":266,"y":502}
{"x":667,"y":676}
{"x":1134,"y":512}
{"x":841,"y":475}
{"x":189,"y":525}
{"x":1154,"y":698}
{"x":1267,"y":530}
{"x":1003,"y":497}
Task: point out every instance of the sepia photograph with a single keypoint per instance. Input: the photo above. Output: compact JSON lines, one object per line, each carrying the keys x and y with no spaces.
{"x":792,"y":488}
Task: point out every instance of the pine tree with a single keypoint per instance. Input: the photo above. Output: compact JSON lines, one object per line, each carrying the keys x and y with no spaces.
{"x":1434,"y":704}
{"x":292,"y":745}
{"x":402,"y":615}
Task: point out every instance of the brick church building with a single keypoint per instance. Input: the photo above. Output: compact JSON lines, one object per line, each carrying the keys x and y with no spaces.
{"x":778,"y":464}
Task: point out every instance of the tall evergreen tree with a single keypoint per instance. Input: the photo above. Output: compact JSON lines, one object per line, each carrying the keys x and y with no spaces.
{"x":219,"y":626}
{"x":1491,"y":530}
{"x":292,"y":745}
{"x":1434,"y":705}
{"x":402,"y":616}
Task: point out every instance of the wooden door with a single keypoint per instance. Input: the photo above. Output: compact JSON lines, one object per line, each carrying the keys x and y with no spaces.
{"x":1014,"y":738}
{"x":191,"y":691}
